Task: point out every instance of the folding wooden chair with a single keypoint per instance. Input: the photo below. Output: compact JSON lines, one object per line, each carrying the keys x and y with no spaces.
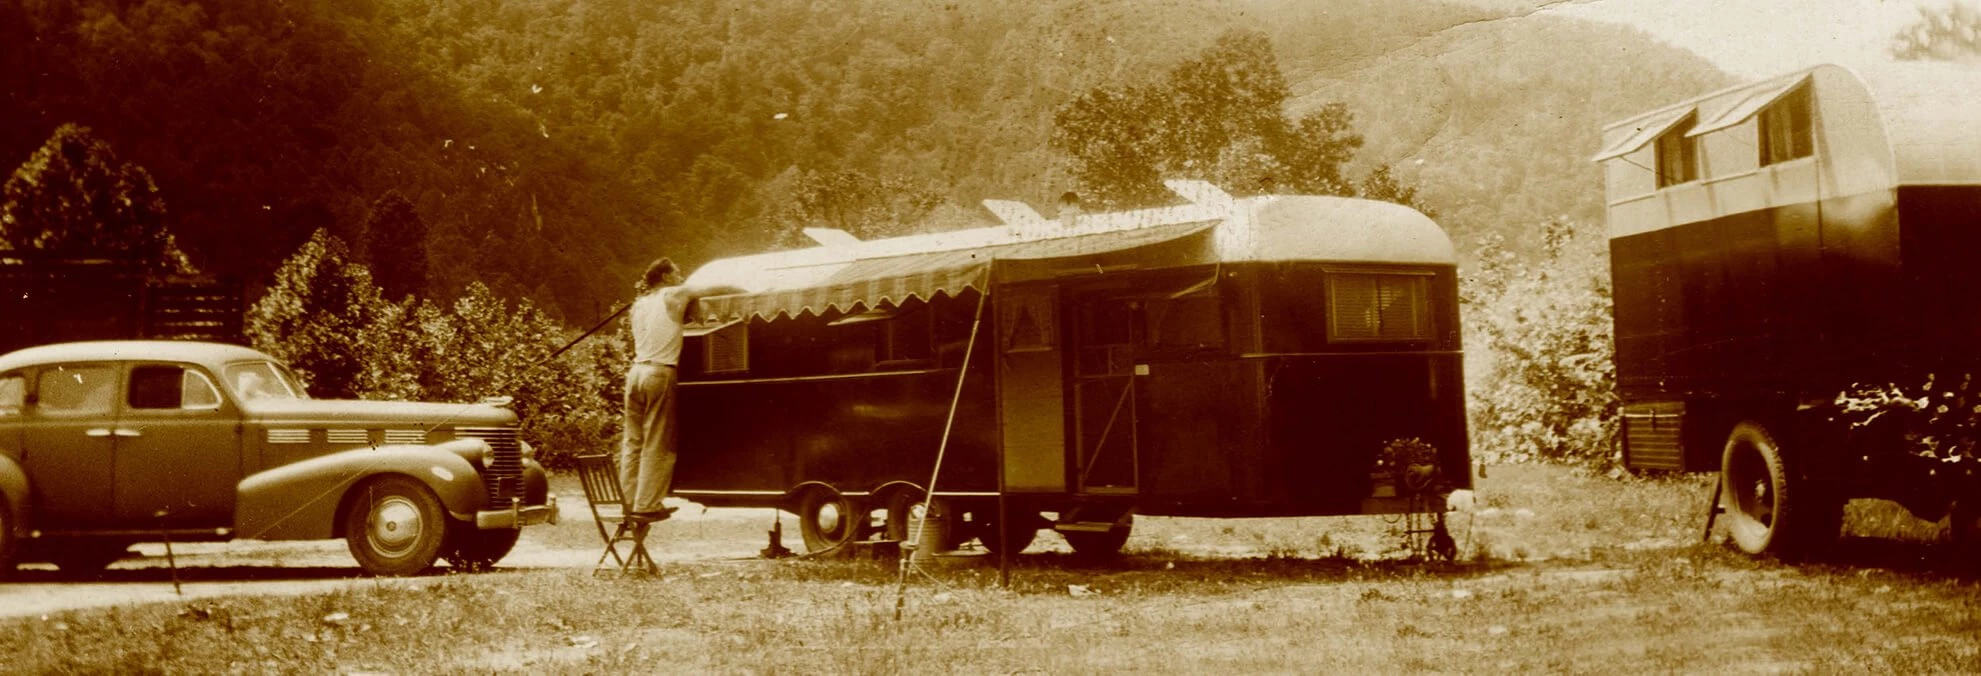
{"x":601,"y":478}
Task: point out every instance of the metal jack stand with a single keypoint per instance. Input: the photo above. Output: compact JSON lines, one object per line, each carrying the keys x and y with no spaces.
{"x":776,"y":548}
{"x":170,"y":562}
{"x":1713,"y":510}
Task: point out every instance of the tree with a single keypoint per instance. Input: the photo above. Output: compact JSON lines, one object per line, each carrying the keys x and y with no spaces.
{"x":1218,"y":117}
{"x":1381,"y":184}
{"x":73,"y":198}
{"x":395,"y":246}
{"x":1550,"y":390}
{"x":1948,"y":33}
{"x":859,"y":203}
{"x":327,"y":320}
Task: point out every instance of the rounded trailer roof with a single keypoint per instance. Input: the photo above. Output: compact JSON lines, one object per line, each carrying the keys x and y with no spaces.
{"x":1927,"y":110}
{"x":1266,"y":228}
{"x":1213,"y":228}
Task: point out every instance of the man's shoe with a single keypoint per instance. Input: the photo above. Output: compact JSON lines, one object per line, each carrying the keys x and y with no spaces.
{"x":650,"y":517}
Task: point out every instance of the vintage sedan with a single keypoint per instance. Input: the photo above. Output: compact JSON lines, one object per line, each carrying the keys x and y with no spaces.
{"x":107,"y":444}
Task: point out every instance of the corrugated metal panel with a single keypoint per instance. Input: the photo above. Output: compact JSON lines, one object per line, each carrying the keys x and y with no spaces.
{"x":1651,"y":436}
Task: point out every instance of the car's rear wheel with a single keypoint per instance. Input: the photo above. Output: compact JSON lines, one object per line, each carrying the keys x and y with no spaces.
{"x":7,"y":543}
{"x":395,"y":527}
{"x":471,"y":548}
{"x":85,"y":557}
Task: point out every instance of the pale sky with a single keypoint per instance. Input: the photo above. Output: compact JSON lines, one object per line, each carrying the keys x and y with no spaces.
{"x":1760,"y":38}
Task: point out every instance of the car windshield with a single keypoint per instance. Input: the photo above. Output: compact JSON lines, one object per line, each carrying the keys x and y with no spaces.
{"x":262,"y":380}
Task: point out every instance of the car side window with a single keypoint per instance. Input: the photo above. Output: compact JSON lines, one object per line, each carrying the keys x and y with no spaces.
{"x":169,"y":387}
{"x":198,"y":391}
{"x":13,"y":394}
{"x":79,"y":390}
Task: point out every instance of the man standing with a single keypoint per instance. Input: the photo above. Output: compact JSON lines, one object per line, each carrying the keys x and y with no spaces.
{"x":646,"y":454}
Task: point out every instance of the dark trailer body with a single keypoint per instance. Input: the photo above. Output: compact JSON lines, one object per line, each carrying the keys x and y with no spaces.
{"x":1775,"y":243}
{"x":1228,"y":357}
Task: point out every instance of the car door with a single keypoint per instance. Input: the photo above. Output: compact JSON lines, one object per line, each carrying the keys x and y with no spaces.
{"x":178,"y":451}
{"x":66,"y":444}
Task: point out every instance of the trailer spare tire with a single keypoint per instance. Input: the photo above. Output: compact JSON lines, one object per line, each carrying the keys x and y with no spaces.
{"x":1770,"y":509}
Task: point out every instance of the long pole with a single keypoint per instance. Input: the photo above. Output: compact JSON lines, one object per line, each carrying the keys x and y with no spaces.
{"x":901,"y":588}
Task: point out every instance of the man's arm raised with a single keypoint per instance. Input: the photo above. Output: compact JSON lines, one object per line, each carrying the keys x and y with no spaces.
{"x":679,"y":297}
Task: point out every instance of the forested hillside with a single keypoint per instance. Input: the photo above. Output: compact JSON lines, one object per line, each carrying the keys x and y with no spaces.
{"x":550,"y":147}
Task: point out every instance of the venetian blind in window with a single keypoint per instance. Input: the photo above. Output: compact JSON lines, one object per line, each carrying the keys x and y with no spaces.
{"x":1378,"y":306}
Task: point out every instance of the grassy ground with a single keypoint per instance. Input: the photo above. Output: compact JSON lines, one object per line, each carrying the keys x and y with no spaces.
{"x":1562,"y":573}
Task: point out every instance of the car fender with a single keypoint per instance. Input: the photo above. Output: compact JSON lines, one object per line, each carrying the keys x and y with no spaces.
{"x":302,"y":500}
{"x":14,"y":489}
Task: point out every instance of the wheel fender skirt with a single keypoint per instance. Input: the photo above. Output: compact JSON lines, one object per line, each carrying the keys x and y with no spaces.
{"x":301,"y":500}
{"x":14,"y":490}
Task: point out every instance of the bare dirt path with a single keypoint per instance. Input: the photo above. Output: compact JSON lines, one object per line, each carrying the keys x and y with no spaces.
{"x":208,"y":570}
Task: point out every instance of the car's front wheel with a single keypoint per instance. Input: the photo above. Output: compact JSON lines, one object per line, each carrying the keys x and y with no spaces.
{"x":395,"y":527}
{"x":471,"y":548}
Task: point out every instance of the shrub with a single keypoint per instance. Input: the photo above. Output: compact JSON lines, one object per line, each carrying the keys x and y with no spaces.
{"x":326,"y":318}
{"x":1545,"y":325}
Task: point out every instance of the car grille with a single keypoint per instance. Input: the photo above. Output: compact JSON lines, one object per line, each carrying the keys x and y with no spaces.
{"x":503,"y":477}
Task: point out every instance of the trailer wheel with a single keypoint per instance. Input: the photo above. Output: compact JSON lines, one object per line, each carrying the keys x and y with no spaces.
{"x":902,"y":506}
{"x":1024,"y":529}
{"x":826,"y":519}
{"x":1100,"y":544}
{"x":1965,"y":529}
{"x":1769,"y":509}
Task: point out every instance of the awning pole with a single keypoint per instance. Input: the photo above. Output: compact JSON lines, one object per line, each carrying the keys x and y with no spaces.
{"x":901,"y":588}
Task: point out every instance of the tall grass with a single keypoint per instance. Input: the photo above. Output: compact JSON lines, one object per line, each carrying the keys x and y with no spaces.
{"x":1613,"y":578}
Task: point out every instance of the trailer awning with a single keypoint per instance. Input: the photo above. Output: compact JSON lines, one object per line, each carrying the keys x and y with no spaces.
{"x":1747,"y":107}
{"x":892,"y":280}
{"x":1645,"y":130}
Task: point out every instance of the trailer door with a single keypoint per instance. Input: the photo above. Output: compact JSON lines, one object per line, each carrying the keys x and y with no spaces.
{"x":1031,"y":397}
{"x":1103,"y":338}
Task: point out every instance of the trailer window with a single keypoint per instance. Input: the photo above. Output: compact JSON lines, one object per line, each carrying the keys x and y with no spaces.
{"x":1787,"y":131}
{"x":907,"y":337}
{"x":726,"y":349}
{"x":1678,"y":154}
{"x":1189,"y":322}
{"x":1378,"y":307}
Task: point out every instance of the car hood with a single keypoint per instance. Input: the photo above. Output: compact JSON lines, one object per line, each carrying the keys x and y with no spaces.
{"x":320,"y":411}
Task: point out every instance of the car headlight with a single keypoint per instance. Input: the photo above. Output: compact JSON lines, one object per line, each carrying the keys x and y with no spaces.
{"x":529,"y":452}
{"x":487,"y":455}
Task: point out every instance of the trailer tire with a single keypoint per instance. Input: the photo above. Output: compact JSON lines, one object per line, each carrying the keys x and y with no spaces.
{"x":899,"y":505}
{"x":1770,"y":509}
{"x":1023,"y":530}
{"x":1965,"y":530}
{"x":1100,"y":544}
{"x":827,"y":519}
